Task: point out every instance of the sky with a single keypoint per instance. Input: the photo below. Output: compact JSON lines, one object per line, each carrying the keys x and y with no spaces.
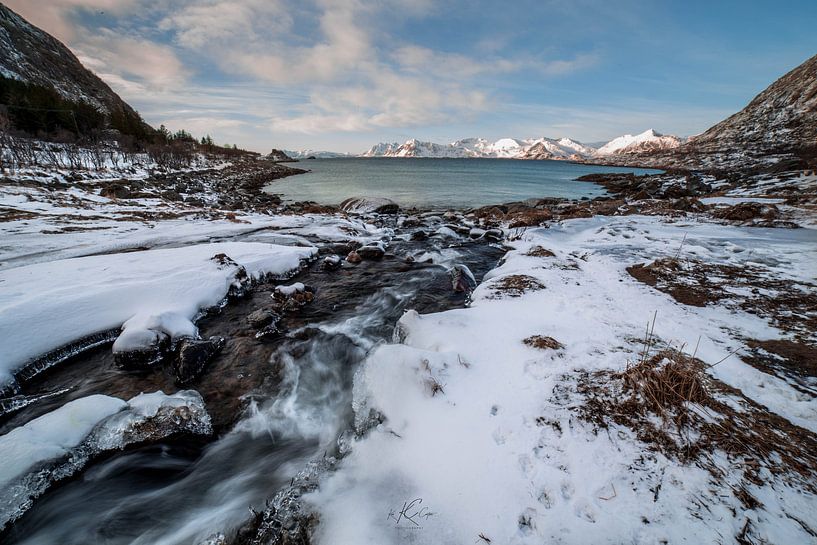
{"x":342,"y":75}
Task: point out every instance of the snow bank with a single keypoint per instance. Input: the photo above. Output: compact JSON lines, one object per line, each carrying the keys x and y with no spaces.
{"x":59,"y":443}
{"x":150,"y":294}
{"x":467,"y":434}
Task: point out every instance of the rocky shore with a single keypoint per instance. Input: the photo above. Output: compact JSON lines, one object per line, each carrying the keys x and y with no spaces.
{"x":257,"y":345}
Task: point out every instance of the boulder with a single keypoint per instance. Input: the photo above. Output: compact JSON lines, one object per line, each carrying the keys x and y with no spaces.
{"x":115,"y":191}
{"x":371,"y":251}
{"x":194,"y":355}
{"x":332,"y":262}
{"x":462,"y":279}
{"x":353,"y":257}
{"x":369,"y":205}
{"x":262,"y":318}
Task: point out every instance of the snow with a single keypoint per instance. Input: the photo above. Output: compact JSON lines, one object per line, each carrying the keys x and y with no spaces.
{"x":290,"y":290}
{"x":504,"y":148}
{"x":52,"y":435}
{"x":150,"y":294}
{"x":479,"y":434}
{"x":57,"y":444}
{"x":645,"y":141}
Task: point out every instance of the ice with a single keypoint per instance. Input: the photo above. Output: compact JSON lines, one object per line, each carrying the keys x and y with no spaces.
{"x":150,"y":294}
{"x":57,"y":444}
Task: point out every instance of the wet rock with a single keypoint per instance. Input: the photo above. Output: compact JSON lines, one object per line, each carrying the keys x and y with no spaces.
{"x":494,"y":235}
{"x":340,"y":248}
{"x":368,"y":205}
{"x":476,"y":233}
{"x":332,"y":262}
{"x":293,"y":296}
{"x":410,"y":221}
{"x":419,"y":235}
{"x":194,"y":355}
{"x":371,"y":251}
{"x":262,"y":318}
{"x":354,"y":257}
{"x":462,"y":279}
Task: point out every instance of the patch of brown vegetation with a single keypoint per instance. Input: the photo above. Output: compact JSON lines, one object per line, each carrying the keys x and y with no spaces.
{"x":538,"y":251}
{"x":12,"y":214}
{"x":747,"y":211}
{"x":514,"y":285}
{"x":792,"y":360}
{"x":531,"y":217}
{"x":790,"y":305}
{"x":699,"y":415}
{"x":543,"y":343}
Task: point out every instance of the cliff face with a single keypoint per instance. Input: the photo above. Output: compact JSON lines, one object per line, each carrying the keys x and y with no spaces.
{"x":32,"y":55}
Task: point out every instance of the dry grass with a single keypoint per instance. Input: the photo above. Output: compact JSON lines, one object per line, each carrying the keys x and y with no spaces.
{"x":698,"y":415}
{"x":514,"y":285}
{"x":538,"y":251}
{"x":543,"y":343}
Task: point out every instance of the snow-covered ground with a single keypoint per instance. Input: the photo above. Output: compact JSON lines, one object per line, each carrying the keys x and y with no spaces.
{"x":481,"y":439}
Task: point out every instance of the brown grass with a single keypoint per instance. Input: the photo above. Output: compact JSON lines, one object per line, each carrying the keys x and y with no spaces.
{"x":514,"y":285}
{"x":543,"y":343}
{"x":538,"y":251}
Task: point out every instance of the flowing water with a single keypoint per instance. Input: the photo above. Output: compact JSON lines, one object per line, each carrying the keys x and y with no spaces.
{"x":296,"y":398}
{"x":441,"y":183}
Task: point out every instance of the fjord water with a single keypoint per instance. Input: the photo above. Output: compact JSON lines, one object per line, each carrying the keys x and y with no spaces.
{"x":440,"y":183}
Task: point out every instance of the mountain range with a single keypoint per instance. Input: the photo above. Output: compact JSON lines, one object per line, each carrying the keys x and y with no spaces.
{"x":528,"y":148}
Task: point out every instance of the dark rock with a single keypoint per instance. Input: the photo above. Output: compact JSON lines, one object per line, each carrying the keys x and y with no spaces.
{"x":353,"y":257}
{"x":746,"y":211}
{"x":262,"y":317}
{"x":332,"y":262}
{"x":194,"y":355}
{"x":419,"y":235}
{"x":115,"y":191}
{"x":462,"y":279}
{"x":171,"y":196}
{"x":371,"y":251}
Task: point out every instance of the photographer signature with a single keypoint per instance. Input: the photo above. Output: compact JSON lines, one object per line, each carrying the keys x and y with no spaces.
{"x":412,"y":512}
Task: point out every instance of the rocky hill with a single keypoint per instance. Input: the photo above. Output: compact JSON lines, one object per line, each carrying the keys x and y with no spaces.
{"x":778,"y":127}
{"x":33,"y":56}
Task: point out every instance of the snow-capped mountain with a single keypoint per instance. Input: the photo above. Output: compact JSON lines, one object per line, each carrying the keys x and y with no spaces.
{"x":315,"y":154}
{"x":646,"y":142}
{"x":504,"y":148}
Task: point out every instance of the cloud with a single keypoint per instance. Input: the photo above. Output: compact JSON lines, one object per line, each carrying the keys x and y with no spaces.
{"x":55,"y":15}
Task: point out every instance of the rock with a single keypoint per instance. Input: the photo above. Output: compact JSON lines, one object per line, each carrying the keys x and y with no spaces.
{"x":419,"y":235}
{"x":262,"y":317}
{"x":368,"y":205}
{"x":476,"y":232}
{"x":493,"y":234}
{"x":115,"y":191}
{"x":332,"y":262}
{"x":410,"y":221}
{"x":353,"y":257}
{"x":170,"y":196}
{"x":371,"y":251}
{"x":194,"y":355}
{"x":746,"y":211}
{"x":446,"y":232}
{"x":462,"y":279}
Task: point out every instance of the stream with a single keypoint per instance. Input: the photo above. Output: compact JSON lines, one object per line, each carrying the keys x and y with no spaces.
{"x":275,"y":404}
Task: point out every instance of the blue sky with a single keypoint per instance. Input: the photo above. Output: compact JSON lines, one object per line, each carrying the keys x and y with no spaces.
{"x":345,"y":74}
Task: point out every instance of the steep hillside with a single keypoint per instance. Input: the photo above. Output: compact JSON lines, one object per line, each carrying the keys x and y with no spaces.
{"x":646,"y":142}
{"x":34,"y":57}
